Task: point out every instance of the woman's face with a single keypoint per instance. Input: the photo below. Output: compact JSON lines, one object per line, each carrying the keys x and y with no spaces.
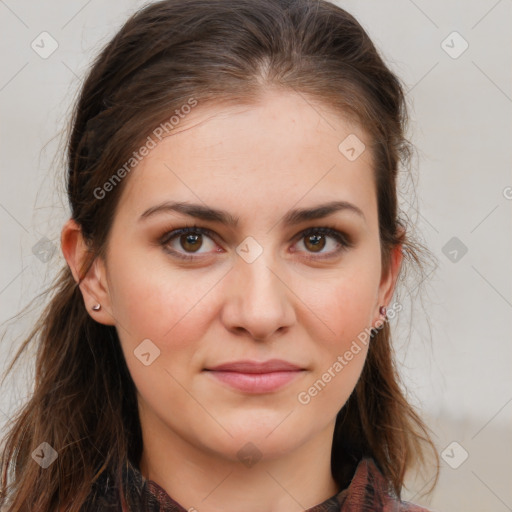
{"x":254,"y":286}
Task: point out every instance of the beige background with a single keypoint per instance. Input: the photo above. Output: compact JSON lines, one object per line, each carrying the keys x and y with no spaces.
{"x":456,"y":360}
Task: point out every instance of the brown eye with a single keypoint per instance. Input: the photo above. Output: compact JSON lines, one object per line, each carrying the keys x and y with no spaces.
{"x":191,"y":242}
{"x":184,"y":241}
{"x":315,"y":240}
{"x":315,"y":243}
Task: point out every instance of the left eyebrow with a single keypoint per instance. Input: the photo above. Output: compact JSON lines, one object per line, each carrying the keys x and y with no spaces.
{"x":292,"y":217}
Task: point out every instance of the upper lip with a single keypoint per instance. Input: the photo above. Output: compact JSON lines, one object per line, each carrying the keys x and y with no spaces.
{"x":246,"y":366}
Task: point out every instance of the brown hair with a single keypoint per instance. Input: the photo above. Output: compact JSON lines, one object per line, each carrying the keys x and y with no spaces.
{"x":84,"y":400}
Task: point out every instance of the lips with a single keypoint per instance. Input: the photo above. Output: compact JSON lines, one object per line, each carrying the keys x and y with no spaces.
{"x":246,"y":366}
{"x":256,"y":377}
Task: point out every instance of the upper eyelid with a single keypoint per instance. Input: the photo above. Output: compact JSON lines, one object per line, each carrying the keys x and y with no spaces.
{"x":346,"y":239}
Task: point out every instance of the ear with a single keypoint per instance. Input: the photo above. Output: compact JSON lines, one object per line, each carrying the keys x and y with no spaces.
{"x":388,"y":281}
{"x":93,"y":285}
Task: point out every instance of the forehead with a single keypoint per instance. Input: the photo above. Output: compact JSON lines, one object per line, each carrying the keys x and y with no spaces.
{"x":279,"y":150}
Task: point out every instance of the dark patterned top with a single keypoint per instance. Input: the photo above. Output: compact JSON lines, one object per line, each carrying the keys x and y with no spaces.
{"x":368,"y":491}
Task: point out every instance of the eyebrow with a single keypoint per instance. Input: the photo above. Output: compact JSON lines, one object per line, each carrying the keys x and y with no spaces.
{"x":292,"y":217}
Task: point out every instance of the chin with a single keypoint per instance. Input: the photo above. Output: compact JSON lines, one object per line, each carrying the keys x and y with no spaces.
{"x":264,"y":440}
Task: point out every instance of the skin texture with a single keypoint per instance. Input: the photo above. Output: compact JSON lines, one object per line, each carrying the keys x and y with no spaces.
{"x":256,"y":162}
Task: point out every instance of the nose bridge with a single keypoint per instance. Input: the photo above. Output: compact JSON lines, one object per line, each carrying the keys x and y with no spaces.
{"x":262,"y":303}
{"x":255,"y":263}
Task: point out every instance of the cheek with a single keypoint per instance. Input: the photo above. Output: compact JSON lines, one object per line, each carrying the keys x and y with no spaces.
{"x":339,"y":306}
{"x":159,"y":304}
{"x":341,"y":353}
{"x":338,"y":318}
{"x":157,"y":301}
{"x":351,"y":307}
{"x":349,"y":314}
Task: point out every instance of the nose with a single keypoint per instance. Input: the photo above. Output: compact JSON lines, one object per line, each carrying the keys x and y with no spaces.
{"x":258,"y":300}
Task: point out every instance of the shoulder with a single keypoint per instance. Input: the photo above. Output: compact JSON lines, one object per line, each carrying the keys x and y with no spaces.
{"x":369,"y":491}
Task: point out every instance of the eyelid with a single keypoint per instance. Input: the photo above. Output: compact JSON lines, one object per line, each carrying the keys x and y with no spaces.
{"x":344,"y":239}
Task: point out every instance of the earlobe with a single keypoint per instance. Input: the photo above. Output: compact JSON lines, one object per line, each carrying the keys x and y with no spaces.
{"x":93,"y":284}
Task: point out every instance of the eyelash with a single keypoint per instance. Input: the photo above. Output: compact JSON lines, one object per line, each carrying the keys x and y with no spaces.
{"x":344,"y":241}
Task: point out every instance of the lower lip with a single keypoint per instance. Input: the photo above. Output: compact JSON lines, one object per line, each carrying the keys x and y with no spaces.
{"x":256,"y":382}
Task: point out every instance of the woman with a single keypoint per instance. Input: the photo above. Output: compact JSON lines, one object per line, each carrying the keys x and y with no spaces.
{"x":218,"y":339}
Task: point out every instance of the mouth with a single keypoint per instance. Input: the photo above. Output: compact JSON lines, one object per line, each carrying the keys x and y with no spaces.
{"x":256,"y":377}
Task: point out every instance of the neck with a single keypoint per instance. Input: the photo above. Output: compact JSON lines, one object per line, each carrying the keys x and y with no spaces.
{"x":202,"y":480}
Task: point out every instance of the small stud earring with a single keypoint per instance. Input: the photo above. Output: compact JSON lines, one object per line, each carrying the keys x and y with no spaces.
{"x":382,"y":310}
{"x":96,"y":307}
